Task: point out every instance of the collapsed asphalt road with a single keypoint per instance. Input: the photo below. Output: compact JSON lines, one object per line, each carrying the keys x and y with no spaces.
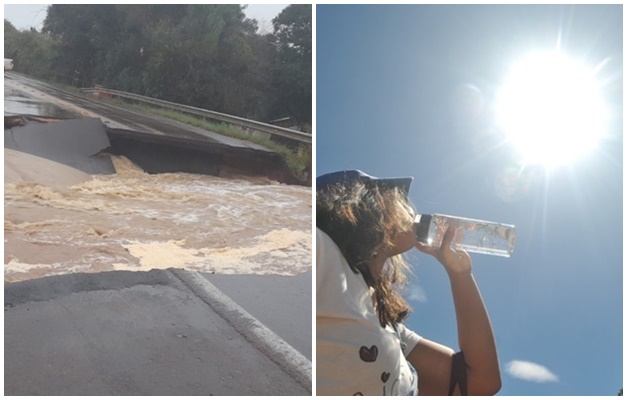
{"x":85,"y":144}
{"x":154,"y":143}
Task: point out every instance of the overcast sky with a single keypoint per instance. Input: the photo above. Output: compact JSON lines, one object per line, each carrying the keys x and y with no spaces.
{"x":25,"y":16}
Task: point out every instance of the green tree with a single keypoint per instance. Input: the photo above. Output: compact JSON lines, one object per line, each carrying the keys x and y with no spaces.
{"x":85,"y":32}
{"x":205,"y":55}
{"x":292,"y":30}
{"x":32,"y":53}
{"x":9,"y":29}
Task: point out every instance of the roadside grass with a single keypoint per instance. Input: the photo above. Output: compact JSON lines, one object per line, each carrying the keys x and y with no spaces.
{"x":297,"y":159}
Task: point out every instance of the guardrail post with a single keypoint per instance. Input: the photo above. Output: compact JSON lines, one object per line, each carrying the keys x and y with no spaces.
{"x":256,"y":133}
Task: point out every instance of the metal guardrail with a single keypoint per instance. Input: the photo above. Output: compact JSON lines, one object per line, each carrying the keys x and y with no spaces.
{"x":231,"y":119}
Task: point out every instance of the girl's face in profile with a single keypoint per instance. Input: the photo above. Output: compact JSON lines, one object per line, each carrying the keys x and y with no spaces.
{"x":402,"y":242}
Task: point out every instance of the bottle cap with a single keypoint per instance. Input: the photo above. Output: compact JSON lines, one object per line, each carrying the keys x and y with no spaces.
{"x":421,"y":227}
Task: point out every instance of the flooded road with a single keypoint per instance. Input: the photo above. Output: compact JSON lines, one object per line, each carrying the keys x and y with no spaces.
{"x":59,"y":220}
{"x":22,"y":96}
{"x":16,"y":104}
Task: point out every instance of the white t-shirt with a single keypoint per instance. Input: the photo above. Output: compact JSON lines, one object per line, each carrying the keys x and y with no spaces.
{"x":354,"y":354}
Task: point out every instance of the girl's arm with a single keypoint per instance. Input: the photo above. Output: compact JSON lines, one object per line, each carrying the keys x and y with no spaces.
{"x":476,"y":339}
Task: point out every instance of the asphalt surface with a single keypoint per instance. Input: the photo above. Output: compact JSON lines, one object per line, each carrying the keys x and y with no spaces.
{"x":30,"y":96}
{"x":152,"y":333}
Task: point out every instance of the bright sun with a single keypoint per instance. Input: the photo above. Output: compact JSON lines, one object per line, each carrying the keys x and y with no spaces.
{"x":551,"y":109}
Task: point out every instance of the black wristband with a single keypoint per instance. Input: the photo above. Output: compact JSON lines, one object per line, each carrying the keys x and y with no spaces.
{"x":458,"y":374}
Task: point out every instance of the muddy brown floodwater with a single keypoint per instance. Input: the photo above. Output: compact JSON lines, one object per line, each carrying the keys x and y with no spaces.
{"x":59,"y":220}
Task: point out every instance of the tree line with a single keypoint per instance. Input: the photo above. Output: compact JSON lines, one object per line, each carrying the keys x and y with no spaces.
{"x":205,"y":55}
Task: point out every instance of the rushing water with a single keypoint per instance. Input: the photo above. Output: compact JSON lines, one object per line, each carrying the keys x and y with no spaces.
{"x":59,"y":220}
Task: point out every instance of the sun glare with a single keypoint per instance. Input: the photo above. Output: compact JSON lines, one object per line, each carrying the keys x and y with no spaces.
{"x":550,"y":108}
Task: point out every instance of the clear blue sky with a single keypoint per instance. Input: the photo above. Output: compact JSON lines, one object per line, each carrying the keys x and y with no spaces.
{"x":406,"y":91}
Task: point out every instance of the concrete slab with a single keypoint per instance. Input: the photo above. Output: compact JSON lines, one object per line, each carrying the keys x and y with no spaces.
{"x":128,"y":333}
{"x":282,"y":303}
{"x":75,"y":142}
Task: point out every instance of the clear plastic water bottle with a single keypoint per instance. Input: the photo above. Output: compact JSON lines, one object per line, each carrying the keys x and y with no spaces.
{"x":475,"y":236}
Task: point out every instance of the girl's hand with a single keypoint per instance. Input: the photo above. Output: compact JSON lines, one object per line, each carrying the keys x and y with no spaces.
{"x":454,"y":261}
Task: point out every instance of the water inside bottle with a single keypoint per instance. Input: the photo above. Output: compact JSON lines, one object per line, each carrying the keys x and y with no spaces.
{"x":474,"y":236}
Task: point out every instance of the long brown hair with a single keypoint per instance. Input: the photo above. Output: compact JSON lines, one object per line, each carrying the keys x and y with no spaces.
{"x":362,"y":219}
